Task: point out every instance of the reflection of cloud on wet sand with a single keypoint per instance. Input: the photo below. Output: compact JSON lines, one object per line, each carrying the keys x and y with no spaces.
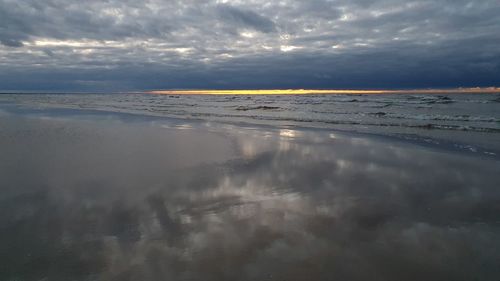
{"x":344,"y":208}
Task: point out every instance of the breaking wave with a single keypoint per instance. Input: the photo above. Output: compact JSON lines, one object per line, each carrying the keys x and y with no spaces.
{"x":457,"y":112}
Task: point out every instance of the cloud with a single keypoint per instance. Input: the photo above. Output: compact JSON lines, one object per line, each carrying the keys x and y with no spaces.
{"x":10,"y":42}
{"x":245,"y":18}
{"x":334,"y":43}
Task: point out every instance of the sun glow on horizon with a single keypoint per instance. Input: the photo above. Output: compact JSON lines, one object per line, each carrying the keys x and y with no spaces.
{"x":323,"y":91}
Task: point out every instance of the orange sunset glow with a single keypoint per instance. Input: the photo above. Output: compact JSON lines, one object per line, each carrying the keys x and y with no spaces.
{"x":323,"y":92}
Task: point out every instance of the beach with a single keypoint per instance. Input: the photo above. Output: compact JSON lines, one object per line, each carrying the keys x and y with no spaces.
{"x":249,"y":140}
{"x":94,"y":193}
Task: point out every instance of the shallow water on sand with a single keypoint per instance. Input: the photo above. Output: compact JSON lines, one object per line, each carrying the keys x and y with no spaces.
{"x":431,"y":114}
{"x":100,"y":197}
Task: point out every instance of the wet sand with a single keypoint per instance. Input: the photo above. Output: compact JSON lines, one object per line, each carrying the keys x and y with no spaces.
{"x":104,"y":197}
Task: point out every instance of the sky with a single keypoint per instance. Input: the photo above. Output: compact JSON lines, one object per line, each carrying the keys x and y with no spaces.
{"x":132,"y":45}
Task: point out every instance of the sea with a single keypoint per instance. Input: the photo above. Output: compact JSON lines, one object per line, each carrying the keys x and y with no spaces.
{"x":210,"y":187}
{"x":458,"y":121}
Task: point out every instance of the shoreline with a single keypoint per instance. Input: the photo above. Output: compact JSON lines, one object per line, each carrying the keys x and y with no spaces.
{"x":120,"y":193}
{"x":116,"y":193}
{"x":425,"y":142}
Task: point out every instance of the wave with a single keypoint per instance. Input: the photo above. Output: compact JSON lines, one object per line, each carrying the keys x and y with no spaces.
{"x":426,"y":126}
{"x":260,"y":107}
{"x":396,"y":111}
{"x":421,"y":117}
{"x":496,"y":100}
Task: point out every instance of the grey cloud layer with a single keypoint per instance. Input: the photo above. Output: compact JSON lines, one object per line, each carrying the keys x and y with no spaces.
{"x":259,"y":43}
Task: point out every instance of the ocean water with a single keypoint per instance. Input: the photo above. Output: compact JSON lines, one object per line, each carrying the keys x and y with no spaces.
{"x":136,"y":187}
{"x":465,"y":112}
{"x":468,"y":121}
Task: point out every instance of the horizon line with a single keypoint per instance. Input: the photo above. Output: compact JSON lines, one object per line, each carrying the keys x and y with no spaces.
{"x":485,"y":90}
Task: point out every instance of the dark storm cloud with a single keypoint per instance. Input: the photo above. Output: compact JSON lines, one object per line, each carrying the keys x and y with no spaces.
{"x":256,"y":43}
